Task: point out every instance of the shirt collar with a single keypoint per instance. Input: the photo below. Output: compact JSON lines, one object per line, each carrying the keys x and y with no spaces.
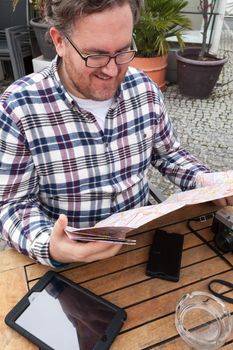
{"x":57,"y":81}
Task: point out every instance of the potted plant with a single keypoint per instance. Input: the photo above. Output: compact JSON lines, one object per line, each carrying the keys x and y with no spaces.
{"x":40,"y":27}
{"x":197,"y":70}
{"x":160,"y":20}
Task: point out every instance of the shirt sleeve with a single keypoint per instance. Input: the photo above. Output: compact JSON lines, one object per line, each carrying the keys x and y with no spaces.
{"x":173,"y":161}
{"x":23,"y":223}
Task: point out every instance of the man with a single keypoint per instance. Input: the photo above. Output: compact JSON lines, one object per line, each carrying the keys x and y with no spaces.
{"x":77,"y":139}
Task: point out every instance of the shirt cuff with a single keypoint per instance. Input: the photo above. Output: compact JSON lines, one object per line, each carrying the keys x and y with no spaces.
{"x":40,"y":251}
{"x":203,"y":179}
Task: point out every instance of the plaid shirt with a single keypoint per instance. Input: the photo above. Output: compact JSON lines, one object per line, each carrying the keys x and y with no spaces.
{"x":54,"y":157}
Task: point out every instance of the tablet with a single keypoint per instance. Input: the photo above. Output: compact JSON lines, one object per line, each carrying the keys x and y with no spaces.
{"x":57,"y":314}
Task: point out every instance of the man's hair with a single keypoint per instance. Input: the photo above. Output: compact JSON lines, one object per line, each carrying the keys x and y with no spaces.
{"x":62,"y":13}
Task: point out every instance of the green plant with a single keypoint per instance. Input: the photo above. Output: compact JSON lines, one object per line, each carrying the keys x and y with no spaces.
{"x":37,"y":5}
{"x":160,"y":20}
{"x":206,"y":8}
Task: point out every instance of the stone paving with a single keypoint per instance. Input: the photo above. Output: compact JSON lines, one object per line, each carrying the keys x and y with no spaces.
{"x":203,"y":125}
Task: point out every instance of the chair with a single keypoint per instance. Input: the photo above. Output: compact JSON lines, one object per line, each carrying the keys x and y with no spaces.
{"x":155,"y":193}
{"x":18,"y":46}
{"x":14,"y":36}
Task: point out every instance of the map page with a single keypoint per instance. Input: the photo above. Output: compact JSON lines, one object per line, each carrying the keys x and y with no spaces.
{"x":210,"y":186}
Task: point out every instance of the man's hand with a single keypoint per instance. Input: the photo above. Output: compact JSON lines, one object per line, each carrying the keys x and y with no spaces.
{"x":214,"y":179}
{"x":223,"y":202}
{"x":64,"y":250}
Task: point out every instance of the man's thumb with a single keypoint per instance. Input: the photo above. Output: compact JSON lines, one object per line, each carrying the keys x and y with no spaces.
{"x":60,"y":224}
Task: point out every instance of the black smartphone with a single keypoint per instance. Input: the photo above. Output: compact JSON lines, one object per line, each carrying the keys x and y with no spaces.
{"x":58,"y":314}
{"x":165,"y":256}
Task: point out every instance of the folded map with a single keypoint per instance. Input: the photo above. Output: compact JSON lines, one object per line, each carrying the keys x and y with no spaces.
{"x":210,"y":186}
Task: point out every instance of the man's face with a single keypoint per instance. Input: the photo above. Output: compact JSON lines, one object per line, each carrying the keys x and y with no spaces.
{"x":107,"y":32}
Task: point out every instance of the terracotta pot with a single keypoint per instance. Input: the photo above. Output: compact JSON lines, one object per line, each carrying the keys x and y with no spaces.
{"x":197,"y":78}
{"x":154,"y":67}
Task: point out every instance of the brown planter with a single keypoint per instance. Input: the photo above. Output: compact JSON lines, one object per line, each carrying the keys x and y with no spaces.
{"x":154,"y":67}
{"x":197,"y":78}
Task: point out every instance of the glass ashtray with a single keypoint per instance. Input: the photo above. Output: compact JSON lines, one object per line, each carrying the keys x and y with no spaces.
{"x":203,"y":321}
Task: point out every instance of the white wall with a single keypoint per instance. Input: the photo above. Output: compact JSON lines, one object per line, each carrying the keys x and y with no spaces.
{"x":229,"y":8}
{"x":197,"y":22}
{"x":195,"y":18}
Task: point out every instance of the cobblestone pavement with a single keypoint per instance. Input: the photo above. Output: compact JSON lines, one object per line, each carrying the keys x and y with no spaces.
{"x":203,"y":125}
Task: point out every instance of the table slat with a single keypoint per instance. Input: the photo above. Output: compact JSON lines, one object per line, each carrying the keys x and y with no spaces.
{"x":13,"y":286}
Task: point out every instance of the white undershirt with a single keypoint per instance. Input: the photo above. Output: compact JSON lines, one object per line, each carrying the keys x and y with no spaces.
{"x":98,"y":108}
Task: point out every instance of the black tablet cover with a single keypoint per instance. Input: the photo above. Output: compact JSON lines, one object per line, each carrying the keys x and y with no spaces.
{"x":59,"y":314}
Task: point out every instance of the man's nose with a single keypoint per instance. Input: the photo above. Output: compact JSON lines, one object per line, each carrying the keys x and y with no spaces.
{"x":111,"y":69}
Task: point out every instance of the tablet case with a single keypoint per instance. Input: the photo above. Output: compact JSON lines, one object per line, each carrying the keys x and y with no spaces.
{"x":104,"y":341}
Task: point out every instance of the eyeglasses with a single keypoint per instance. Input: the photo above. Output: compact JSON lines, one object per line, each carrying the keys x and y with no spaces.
{"x":101,"y":60}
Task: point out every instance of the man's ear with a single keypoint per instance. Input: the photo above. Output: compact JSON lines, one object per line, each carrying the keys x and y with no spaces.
{"x":58,"y":40}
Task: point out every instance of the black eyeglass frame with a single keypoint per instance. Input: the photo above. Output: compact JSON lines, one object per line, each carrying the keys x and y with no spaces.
{"x":86,"y":57}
